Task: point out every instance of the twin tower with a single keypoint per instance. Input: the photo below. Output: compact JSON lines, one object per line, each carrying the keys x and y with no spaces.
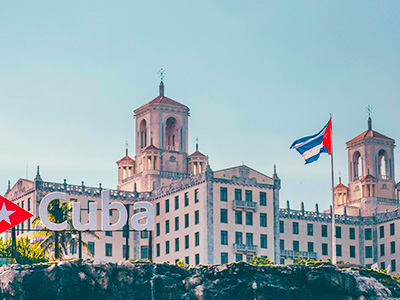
{"x":161,"y":147}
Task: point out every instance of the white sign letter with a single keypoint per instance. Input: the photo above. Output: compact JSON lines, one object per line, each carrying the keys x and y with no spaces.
{"x":148,"y":214}
{"x":76,"y":214}
{"x":44,"y":214}
{"x":106,"y":207}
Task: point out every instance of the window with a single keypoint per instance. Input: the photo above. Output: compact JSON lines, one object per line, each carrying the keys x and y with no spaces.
{"x":382,"y":247}
{"x":125,"y":231}
{"x":383,"y":265}
{"x":338,"y":232}
{"x":392,"y":231}
{"x":310,"y":247}
{"x":381,"y":232}
{"x":176,"y":202}
{"x":167,"y":206}
{"x":124,"y":251}
{"x":393,"y":265}
{"x":368,"y":252}
{"x":186,"y":220}
{"x":186,"y":199}
{"x":158,"y":250}
{"x":281,"y":226}
{"x":339,"y":250}
{"x":249,"y":196}
{"x":187,"y":259}
{"x":196,"y":195}
{"x":263,"y":199}
{"x":324,"y":249}
{"x":249,"y":238}
{"x":249,"y":218}
{"x":224,"y":215}
{"x":196,"y":217}
{"x":368,"y":234}
{"x":295,"y":228}
{"x":108,"y":233}
{"x":224,"y":194}
{"x":157,"y":229}
{"x":197,"y":259}
{"x":296,"y":246}
{"x":29,"y":204}
{"x":324,"y":230}
{"x":353,"y":251}
{"x":176,"y":244}
{"x":352,"y":233}
{"x":176,"y":223}
{"x":282,"y":244}
{"x":282,"y":260}
{"x":144,"y":234}
{"x":310,"y":230}
{"x":197,"y":238}
{"x":263,"y":220}
{"x":224,"y":258}
{"x":186,"y":241}
{"x":158,"y":208}
{"x":91,"y":247}
{"x":167,"y":226}
{"x":72,"y":247}
{"x":263,"y":241}
{"x":248,"y":257}
{"x":167,"y":247}
{"x":108,"y":249}
{"x":238,"y":217}
{"x":224,"y":237}
{"x":144,"y":252}
{"x":238,"y":194}
{"x":392,"y":247}
{"x":239,"y":257}
{"x":238,"y":238}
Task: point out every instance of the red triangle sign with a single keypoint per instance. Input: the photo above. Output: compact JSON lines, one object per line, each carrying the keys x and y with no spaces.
{"x":11,"y":214}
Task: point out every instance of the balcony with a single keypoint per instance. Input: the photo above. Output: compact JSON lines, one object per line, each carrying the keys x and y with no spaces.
{"x":244,"y":204}
{"x":245,"y":248}
{"x":296,"y":254}
{"x":172,"y":148}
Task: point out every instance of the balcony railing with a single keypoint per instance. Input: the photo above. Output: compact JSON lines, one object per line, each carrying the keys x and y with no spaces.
{"x":171,"y":148}
{"x":244,"y":204}
{"x":245,"y":248}
{"x":296,"y":254}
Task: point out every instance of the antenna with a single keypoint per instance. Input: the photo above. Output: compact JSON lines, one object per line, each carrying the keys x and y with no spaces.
{"x":369,"y":111}
{"x":162,"y":74}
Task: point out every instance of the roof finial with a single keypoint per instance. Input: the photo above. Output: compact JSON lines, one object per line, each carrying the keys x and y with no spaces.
{"x":162,"y":74}
{"x":274,"y":169}
{"x":126,"y":148}
{"x":197,"y":143}
{"x":369,"y":111}
{"x":38,"y":178}
{"x":8,"y":187}
{"x":340,"y":176}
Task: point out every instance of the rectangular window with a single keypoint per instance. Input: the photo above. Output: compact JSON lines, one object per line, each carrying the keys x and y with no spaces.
{"x":282,"y":244}
{"x":249,"y":196}
{"x":324,"y":230}
{"x":72,"y":247}
{"x":324,"y":249}
{"x":158,"y":229}
{"x":186,"y":241}
{"x":167,"y":247}
{"x":381,"y":232}
{"x":176,"y":244}
{"x":224,"y":258}
{"x":392,"y":230}
{"x":383,"y":265}
{"x":310,"y":247}
{"x":124,"y":251}
{"x":176,"y":223}
{"x":186,"y":220}
{"x":368,"y":252}
{"x":144,"y":252}
{"x":224,"y":237}
{"x":224,"y":215}
{"x":263,"y":199}
{"x":167,"y":206}
{"x":238,"y":217}
{"x":196,"y":195}
{"x":196,"y":217}
{"x":29,"y":204}
{"x":239,"y":238}
{"x":281,"y":227}
{"x":392,"y":247}
{"x":353,"y":251}
{"x":91,"y":247}
{"x":295,"y":228}
{"x":187,"y":199}
{"x":263,"y":220}
{"x":197,"y":259}
{"x":144,"y":234}
{"x":249,"y":218}
{"x":108,"y":233}
{"x":176,"y":202}
{"x":352,"y":233}
{"x":296,"y":246}
{"x":108,"y":249}
{"x":339,"y":250}
{"x":310,"y":230}
{"x":158,"y":250}
{"x":157,"y":208}
{"x":382,"y":247}
{"x":393,"y":265}
{"x":368,"y":234}
{"x":338,"y":232}
{"x":187,"y":260}
{"x":263,"y":241}
{"x":224,"y":194}
{"x":167,"y":226}
{"x":238,"y":194}
{"x":197,"y":238}
{"x":239,"y":257}
{"x":249,"y":239}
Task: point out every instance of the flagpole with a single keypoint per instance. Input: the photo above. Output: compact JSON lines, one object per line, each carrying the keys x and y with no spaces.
{"x":333,"y":201}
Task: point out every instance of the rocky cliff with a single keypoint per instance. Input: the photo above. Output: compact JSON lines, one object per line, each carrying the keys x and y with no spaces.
{"x":90,"y":279}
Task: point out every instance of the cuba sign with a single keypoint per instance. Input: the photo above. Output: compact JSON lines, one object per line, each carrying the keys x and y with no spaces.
{"x":106,"y":206}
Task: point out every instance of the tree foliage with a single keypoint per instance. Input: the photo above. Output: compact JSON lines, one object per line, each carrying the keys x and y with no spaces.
{"x":27,"y":253}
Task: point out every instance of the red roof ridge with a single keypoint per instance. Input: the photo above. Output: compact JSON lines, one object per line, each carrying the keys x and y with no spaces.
{"x":125,"y":158}
{"x":369,"y":133}
{"x":163,"y":100}
{"x":197,"y":153}
{"x":340,"y":185}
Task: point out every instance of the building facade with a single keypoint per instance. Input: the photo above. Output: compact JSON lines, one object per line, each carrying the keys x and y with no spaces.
{"x":211,"y":217}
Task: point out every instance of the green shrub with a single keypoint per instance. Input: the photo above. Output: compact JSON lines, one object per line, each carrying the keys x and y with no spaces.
{"x":27,"y":253}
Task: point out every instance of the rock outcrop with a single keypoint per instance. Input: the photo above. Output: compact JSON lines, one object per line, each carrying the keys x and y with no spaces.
{"x":92,"y":279}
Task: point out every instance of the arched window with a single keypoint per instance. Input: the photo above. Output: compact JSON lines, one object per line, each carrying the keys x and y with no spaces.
{"x":357,"y":171}
{"x":382,"y":164}
{"x":171,"y":133}
{"x":143,"y":134}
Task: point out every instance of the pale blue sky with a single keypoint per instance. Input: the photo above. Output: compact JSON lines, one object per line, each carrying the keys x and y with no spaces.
{"x":256,"y":75}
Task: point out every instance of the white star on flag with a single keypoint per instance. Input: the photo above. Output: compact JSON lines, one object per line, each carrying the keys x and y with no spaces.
{"x":5,"y":214}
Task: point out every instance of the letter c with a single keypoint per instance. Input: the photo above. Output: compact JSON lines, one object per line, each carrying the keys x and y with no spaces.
{"x":44,"y":214}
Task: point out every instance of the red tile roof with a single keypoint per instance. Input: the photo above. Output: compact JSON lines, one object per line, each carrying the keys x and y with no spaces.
{"x":125,"y":158}
{"x":163,"y":100}
{"x":340,"y":185}
{"x":370,"y":134}
{"x":197,"y":154}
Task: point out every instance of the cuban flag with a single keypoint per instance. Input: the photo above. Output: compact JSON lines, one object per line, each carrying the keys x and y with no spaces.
{"x":311,"y":147}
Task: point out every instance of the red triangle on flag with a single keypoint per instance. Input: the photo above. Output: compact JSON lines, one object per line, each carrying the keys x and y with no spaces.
{"x":11,"y":214}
